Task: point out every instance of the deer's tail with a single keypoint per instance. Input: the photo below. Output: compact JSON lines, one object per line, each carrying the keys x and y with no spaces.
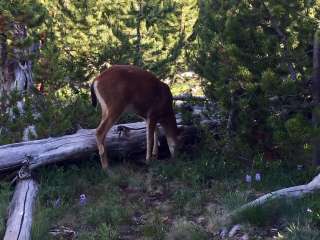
{"x":93,"y":95}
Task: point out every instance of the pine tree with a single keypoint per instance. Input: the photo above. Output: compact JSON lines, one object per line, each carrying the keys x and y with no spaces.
{"x":89,"y":34}
{"x":255,"y":57}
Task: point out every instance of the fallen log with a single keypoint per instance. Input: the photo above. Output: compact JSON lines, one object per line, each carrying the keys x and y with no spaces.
{"x":20,"y":211}
{"x":78,"y":145}
{"x":188,"y":97}
{"x":285,"y":193}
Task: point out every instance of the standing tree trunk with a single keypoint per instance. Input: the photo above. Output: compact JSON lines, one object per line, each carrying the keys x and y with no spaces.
{"x":22,"y":63}
{"x":15,"y":67}
{"x":6,"y":70}
{"x":3,"y":55}
{"x":316,"y":97}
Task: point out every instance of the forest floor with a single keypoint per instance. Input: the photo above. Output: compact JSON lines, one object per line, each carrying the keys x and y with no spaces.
{"x":167,"y":200}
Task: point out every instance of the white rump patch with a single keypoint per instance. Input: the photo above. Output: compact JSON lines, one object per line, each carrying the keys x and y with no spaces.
{"x":100,"y":98}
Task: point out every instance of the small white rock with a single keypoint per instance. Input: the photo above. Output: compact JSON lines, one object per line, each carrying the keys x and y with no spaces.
{"x":223,"y":232}
{"x":248,"y":178}
{"x":245,"y":237}
{"x":83,"y":199}
{"x":201,"y":220}
{"x":258,"y":177}
{"x":234,"y":230}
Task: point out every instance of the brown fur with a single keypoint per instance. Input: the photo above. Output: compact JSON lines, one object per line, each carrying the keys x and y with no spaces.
{"x":128,"y":88}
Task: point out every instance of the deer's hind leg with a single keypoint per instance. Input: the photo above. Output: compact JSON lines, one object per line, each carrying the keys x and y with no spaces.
{"x":106,"y":123}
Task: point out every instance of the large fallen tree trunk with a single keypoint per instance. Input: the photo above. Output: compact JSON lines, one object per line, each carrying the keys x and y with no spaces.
{"x":79,"y":145}
{"x":20,"y":211}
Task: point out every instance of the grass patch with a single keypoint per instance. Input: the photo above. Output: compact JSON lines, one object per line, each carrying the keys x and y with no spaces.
{"x":234,"y":199}
{"x":187,"y":231}
{"x":288,"y":211}
{"x":107,"y":209}
{"x":297,"y":231}
{"x":42,"y":222}
{"x":107,"y":231}
{"x":197,"y":170}
{"x":155,"y":228}
{"x":149,"y":203}
{"x":113,"y":201}
{"x":5,"y":194}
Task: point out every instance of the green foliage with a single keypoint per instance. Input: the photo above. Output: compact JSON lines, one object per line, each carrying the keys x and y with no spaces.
{"x":42,"y":223}
{"x":195,"y":173}
{"x":59,"y":195}
{"x":186,"y":230}
{"x":302,"y":232}
{"x":107,"y":232}
{"x":300,"y":215}
{"x":29,"y":12}
{"x":52,"y":115}
{"x":234,"y":199}
{"x":267,"y":215}
{"x":182,"y":197}
{"x":87,"y":35}
{"x":5,"y":194}
{"x":254,"y":61}
{"x":254,"y":57}
{"x":78,"y":40}
{"x":245,"y":53}
{"x":110,"y":211}
{"x":155,"y":229}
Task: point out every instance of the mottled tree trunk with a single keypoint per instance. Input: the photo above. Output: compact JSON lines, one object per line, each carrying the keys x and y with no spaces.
{"x":6,"y":71}
{"x":15,"y":67}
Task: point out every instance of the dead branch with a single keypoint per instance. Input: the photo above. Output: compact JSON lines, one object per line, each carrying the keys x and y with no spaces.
{"x":20,"y":211}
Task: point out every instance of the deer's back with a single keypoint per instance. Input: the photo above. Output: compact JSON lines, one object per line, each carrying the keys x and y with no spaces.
{"x":134,"y":88}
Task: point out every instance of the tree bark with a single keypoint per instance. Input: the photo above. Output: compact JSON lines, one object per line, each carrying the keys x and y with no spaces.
{"x":6,"y":72}
{"x":20,"y":211}
{"x":15,"y":72}
{"x":22,"y":63}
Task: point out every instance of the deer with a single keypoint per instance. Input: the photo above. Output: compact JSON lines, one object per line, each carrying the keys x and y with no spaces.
{"x":128,"y":88}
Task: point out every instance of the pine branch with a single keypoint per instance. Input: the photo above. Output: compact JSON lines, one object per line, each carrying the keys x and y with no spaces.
{"x":283,"y":39}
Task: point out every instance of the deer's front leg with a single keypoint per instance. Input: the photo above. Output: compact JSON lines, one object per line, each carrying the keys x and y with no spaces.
{"x":151,"y":124}
{"x":155,"y":150}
